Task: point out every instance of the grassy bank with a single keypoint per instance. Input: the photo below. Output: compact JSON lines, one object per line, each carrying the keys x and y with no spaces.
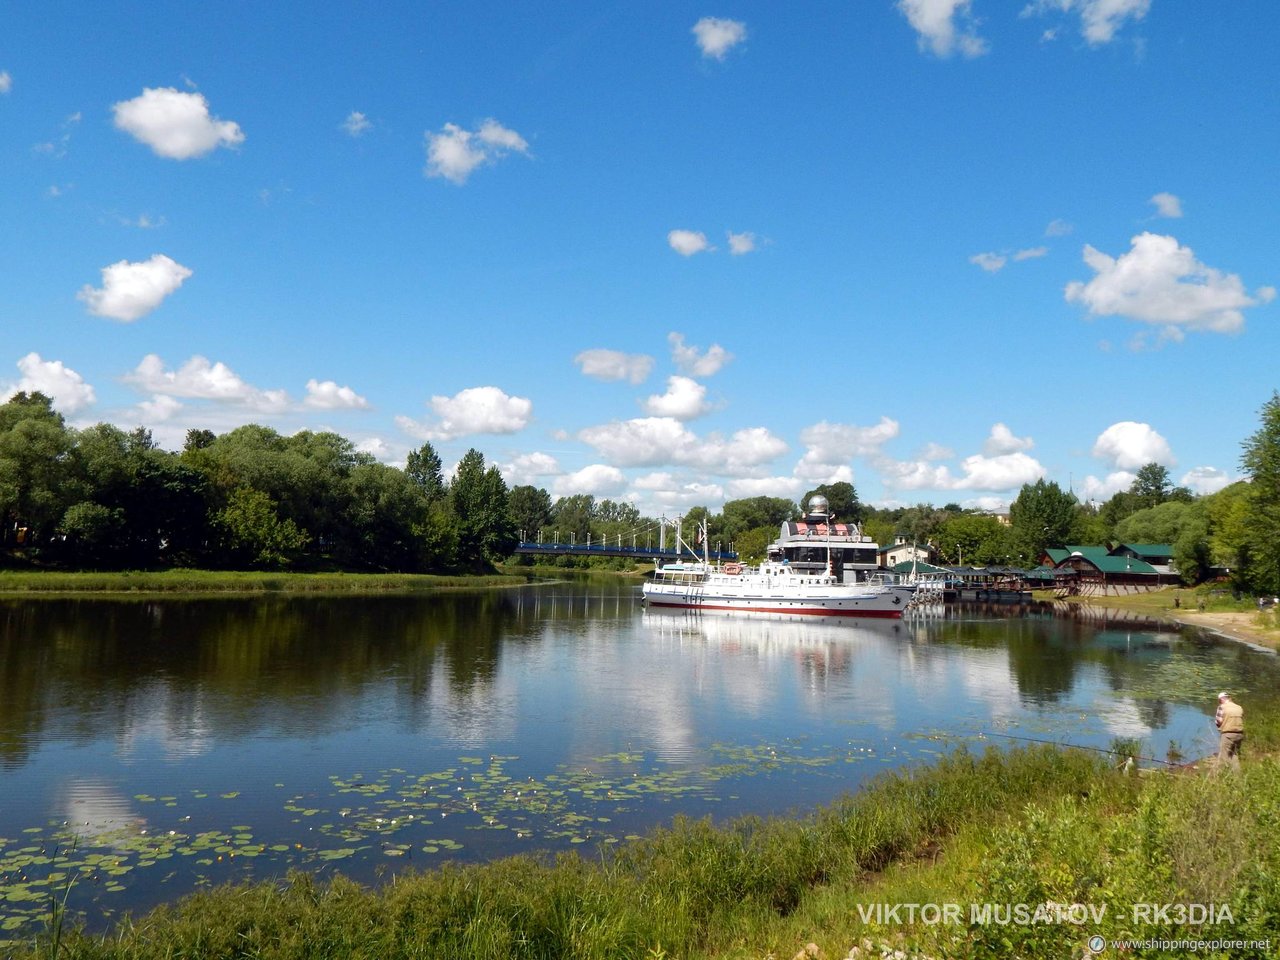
{"x":1028,"y":827}
{"x":24,"y":582}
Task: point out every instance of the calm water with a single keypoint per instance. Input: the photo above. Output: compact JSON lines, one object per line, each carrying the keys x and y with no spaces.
{"x":151,"y":747}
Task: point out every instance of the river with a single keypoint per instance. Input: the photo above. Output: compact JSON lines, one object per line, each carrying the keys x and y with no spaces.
{"x":150,"y":747}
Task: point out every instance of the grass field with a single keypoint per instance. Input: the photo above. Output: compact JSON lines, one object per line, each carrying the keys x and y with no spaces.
{"x":14,"y":582}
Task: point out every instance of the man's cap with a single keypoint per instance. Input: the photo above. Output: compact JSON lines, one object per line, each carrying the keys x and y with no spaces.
{"x":1224,"y":696}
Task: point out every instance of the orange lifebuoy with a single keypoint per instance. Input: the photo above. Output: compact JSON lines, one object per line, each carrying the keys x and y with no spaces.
{"x":733,"y":569}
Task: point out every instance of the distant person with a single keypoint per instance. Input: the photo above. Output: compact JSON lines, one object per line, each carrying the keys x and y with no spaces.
{"x":1229,"y":719}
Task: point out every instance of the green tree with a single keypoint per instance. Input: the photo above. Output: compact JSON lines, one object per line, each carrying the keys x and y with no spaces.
{"x":159,"y":502}
{"x":1192,"y":556}
{"x":1260,"y":461}
{"x":751,"y":545}
{"x":753,"y":513}
{"x":842,"y":500}
{"x":1043,"y":515}
{"x":976,"y":537}
{"x":199,"y":439}
{"x":1152,"y":486}
{"x":530,"y":510}
{"x":880,"y":529}
{"x":423,"y":467}
{"x":481,"y":506}
{"x":1163,"y":523}
{"x":573,"y":517}
{"x":254,"y":532}
{"x":92,"y":531}
{"x":385,"y":518}
{"x":34,"y":449}
{"x":921,"y":523}
{"x":1229,"y":531}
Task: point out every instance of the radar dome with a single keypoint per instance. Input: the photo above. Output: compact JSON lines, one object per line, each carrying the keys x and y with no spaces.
{"x":818,"y":505}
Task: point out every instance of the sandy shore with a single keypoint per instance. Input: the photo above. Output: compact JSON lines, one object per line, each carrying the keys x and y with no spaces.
{"x":1236,"y":626}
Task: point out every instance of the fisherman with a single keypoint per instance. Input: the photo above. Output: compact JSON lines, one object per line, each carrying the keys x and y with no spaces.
{"x":1229,"y":719}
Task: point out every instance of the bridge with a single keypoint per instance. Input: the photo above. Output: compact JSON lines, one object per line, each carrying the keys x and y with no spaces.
{"x":529,"y":548}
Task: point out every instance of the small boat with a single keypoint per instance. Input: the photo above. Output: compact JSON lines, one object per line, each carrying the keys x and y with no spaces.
{"x":775,"y":586}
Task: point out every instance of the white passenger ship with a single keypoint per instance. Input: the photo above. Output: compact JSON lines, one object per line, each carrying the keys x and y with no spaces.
{"x":815,"y":567}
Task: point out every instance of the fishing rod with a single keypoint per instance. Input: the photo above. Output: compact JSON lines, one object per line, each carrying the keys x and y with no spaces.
{"x":1060,"y":743}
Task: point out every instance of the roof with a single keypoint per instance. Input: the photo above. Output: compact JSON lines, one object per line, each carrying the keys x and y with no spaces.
{"x":918,"y":566}
{"x":1108,"y":563}
{"x":1164,"y":550}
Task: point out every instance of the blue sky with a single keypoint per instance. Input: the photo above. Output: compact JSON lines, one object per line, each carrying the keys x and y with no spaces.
{"x":666,"y":253}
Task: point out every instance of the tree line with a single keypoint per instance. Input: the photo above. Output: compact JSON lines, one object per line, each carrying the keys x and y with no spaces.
{"x":106,"y":498}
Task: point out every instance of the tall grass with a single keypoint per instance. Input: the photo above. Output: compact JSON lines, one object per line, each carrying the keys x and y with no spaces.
{"x":181,"y":581}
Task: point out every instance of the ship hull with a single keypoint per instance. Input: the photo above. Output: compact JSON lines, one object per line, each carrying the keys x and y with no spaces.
{"x":884,"y":604}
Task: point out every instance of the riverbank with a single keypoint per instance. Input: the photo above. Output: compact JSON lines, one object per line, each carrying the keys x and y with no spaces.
{"x":19,"y":583}
{"x":1220,"y":613}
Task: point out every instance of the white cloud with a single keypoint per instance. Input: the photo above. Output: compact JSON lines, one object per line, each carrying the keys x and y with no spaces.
{"x":1031,"y":253}
{"x":1007,"y":471}
{"x":377,"y":448}
{"x":132,"y":290}
{"x":1128,"y":445}
{"x":766,"y":487}
{"x":1099,"y":19}
{"x":830,"y":445}
{"x":614,"y":365}
{"x":655,"y":441}
{"x":200,"y":379}
{"x":159,"y":408}
{"x":58,"y":148}
{"x":1058,"y":228}
{"x":1108,"y":487}
{"x":598,"y":479}
{"x":1167,"y":205}
{"x":740,"y":243}
{"x":655,"y":481}
{"x":716,"y":37}
{"x":174,"y":124}
{"x":529,"y":468}
{"x":988,"y":504}
{"x":671,"y":495}
{"x":356,"y":124}
{"x":935,"y":22}
{"x":142,"y":222}
{"x":685,"y":399}
{"x":912,"y":474}
{"x":990,"y":262}
{"x":1160,"y":282}
{"x":454,"y":152}
{"x":474,"y":410}
{"x":692,"y":361}
{"x":687,"y":242}
{"x":1205,"y":480}
{"x":55,"y":380}
{"x":936,"y":451}
{"x":6,"y":81}
{"x":1003,"y":441}
{"x":327,"y":395}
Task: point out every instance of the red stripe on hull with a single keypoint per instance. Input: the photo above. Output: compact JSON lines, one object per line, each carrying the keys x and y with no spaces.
{"x":815,"y":611}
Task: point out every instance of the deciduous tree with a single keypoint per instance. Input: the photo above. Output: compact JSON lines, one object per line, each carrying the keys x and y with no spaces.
{"x":1260,"y":461}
